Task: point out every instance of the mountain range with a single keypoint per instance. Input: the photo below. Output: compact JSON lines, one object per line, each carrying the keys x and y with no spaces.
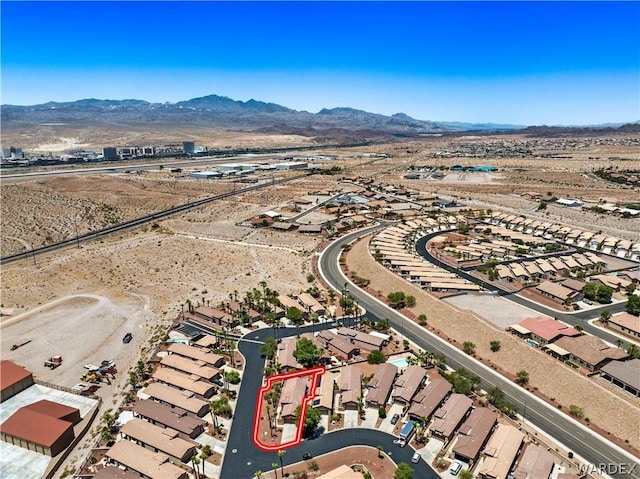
{"x":222,"y":112}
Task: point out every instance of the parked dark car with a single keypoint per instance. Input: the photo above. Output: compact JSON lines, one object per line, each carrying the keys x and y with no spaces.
{"x":218,"y":382}
{"x":317,"y":433}
{"x":395,"y":418}
{"x":127,"y":338}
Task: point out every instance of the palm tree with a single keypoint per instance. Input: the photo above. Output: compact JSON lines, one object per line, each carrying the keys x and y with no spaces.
{"x":280,"y":454}
{"x":314,"y":319}
{"x":619,"y":342}
{"x":257,"y":474}
{"x":216,"y":407}
{"x":274,"y":466}
{"x":195,"y":461}
{"x":204,"y":455}
{"x":379,"y":448}
{"x":232,"y":349}
{"x":522,"y":377}
{"x":269,"y":418}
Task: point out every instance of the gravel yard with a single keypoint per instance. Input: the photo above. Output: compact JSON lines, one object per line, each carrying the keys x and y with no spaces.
{"x":551,"y":377}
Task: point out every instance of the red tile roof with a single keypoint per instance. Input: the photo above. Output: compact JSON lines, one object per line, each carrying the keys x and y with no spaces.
{"x":35,"y":427}
{"x":11,"y":373}
{"x":548,"y":328}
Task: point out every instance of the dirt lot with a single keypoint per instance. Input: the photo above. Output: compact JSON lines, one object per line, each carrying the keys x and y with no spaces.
{"x":551,"y":377}
{"x":83,"y":329}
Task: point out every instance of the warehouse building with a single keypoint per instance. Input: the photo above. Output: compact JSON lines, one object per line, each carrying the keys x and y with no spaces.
{"x":45,"y":427}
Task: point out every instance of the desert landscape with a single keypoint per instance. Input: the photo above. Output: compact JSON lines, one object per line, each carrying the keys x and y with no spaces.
{"x":139,"y":281}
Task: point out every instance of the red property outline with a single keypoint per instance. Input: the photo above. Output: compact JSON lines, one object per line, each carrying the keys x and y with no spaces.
{"x":311,"y":394}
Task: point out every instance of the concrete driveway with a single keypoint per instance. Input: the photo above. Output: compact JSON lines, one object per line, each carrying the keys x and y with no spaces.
{"x":350,"y":418}
{"x":431,"y":450}
{"x":371,"y":417}
{"x":386,"y":425}
{"x":289,"y":432}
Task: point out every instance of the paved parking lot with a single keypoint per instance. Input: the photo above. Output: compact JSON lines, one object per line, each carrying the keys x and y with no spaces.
{"x":500,"y":311}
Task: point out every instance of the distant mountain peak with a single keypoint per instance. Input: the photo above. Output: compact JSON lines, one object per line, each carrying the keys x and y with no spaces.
{"x":216,"y":111}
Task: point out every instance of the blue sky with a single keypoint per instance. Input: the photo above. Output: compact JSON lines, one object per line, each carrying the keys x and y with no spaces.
{"x":507,"y":62}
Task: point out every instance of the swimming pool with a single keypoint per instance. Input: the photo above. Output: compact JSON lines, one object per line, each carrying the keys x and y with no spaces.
{"x":401,"y":362}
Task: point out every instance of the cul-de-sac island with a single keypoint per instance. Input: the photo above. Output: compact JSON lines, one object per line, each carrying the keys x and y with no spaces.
{"x":212,"y":303}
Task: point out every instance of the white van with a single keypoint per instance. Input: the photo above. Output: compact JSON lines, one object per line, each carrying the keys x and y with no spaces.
{"x":455,"y":468}
{"x":416,"y":458}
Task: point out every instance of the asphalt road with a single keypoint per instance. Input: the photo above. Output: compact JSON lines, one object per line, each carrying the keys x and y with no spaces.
{"x":134,"y":165}
{"x":579,"y":318}
{"x":580,"y":440}
{"x":247,"y":458}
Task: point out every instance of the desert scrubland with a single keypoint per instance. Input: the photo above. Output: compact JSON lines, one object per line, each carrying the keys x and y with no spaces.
{"x":141,"y":279}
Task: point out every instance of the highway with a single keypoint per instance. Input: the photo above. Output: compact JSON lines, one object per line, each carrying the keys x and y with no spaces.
{"x":135,"y":165}
{"x":247,"y":458}
{"x":580,"y":440}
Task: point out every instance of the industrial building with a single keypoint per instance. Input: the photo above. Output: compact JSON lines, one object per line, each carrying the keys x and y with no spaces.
{"x":188,"y":147}
{"x":45,"y":427}
{"x":13,"y":379}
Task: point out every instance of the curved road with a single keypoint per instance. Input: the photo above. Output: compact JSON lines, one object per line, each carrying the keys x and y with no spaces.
{"x":247,"y":458}
{"x":583,"y":442}
{"x":580,"y":318}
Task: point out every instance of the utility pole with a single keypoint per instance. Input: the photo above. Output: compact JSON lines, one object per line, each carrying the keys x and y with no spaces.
{"x":75,"y":221}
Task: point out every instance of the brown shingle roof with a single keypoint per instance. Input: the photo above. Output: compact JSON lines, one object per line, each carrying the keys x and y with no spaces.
{"x":626,"y":371}
{"x":164,"y":440}
{"x":474,"y":432}
{"x":556,"y":290}
{"x":534,"y":463}
{"x":381,"y":383}
{"x":407,"y":385}
{"x":195,"y":353}
{"x":430,"y":398}
{"x":501,"y":451}
{"x":626,"y":320}
{"x":364,"y":340}
{"x":336,"y":344}
{"x":590,"y":349}
{"x":199,"y":368}
{"x":191,"y":383}
{"x":182,"y":399}
{"x":174,"y":418}
{"x":448,"y":417}
{"x":152,"y":464}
